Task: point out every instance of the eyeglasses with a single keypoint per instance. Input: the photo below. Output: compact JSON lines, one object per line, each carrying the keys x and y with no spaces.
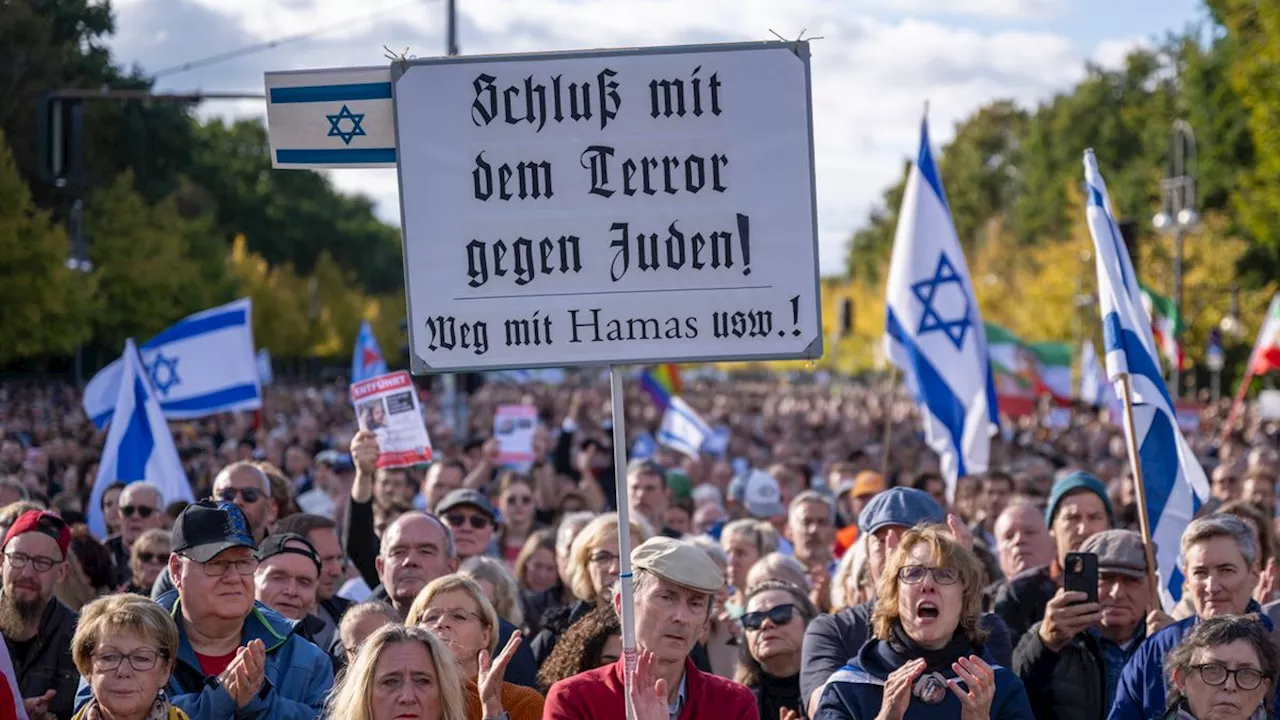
{"x":218,"y":568}
{"x":19,"y":560}
{"x":150,"y":557}
{"x":1216,"y":674}
{"x":141,"y":511}
{"x":477,"y":522}
{"x":455,"y":617}
{"x":603,"y":557}
{"x":140,"y":660}
{"x":915,"y":574}
{"x":250,"y":495}
{"x":779,"y":615}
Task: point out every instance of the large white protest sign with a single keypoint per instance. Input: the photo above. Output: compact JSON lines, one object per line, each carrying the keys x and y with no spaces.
{"x":608,"y":206}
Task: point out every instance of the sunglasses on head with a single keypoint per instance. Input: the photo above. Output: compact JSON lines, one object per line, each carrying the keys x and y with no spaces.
{"x":250,"y":495}
{"x":477,"y":522}
{"x":778,"y":615}
{"x":141,"y":511}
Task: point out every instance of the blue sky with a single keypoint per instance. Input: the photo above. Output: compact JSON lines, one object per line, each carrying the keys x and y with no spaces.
{"x":878,"y":61}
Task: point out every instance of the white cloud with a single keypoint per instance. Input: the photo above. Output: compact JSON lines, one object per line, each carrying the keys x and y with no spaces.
{"x":1113,"y":52}
{"x":994,"y":9}
{"x":871,"y":76}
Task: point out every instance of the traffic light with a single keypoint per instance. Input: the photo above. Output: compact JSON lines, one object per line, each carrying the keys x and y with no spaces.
{"x":60,"y":141}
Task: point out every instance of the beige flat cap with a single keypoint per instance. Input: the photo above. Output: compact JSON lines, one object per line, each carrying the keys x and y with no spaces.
{"x":679,"y":562}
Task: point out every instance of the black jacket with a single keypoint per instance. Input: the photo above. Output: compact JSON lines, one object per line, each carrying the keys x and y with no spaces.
{"x":1020,"y":601}
{"x":48,"y":664}
{"x":1070,"y":685}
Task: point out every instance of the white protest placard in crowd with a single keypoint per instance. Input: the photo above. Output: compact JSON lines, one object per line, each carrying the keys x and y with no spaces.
{"x":513,"y":428}
{"x":388,"y":405}
{"x":608,"y":206}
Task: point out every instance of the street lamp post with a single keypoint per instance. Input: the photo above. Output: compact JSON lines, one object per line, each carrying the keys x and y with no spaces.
{"x":1178,"y":215}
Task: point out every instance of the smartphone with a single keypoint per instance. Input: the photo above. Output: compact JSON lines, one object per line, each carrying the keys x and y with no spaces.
{"x":1081,"y":574}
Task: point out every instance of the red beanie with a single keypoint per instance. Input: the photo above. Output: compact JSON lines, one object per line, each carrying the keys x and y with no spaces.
{"x":42,"y":522}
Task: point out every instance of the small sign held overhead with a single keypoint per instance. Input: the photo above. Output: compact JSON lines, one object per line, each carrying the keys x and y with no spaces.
{"x":339,"y":118}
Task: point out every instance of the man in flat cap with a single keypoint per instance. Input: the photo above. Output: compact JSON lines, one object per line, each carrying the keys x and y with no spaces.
{"x":1071,"y":661}
{"x":675,"y":585}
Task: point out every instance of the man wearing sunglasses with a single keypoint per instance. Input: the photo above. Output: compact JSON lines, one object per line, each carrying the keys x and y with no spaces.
{"x":141,"y":508}
{"x":472,"y":520}
{"x":249,"y":489}
{"x":37,"y":627}
{"x":236,"y":657}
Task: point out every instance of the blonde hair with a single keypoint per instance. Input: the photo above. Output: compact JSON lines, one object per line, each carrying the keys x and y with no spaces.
{"x":506,"y":592}
{"x":352,"y":697}
{"x":852,"y":561}
{"x":757,"y":532}
{"x":124,"y":613}
{"x":449,"y":583}
{"x":579,"y":580}
{"x":776,"y":566}
{"x":356,"y":613}
{"x":945,"y":552}
{"x":544,"y":539}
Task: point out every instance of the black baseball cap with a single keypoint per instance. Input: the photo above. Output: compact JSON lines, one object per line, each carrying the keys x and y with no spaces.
{"x":461,"y":497}
{"x":280,"y":544}
{"x":208,"y":527}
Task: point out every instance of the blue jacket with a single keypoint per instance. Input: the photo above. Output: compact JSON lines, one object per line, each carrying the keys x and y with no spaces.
{"x":1141,"y":693}
{"x":299,"y":675}
{"x":855,"y":691}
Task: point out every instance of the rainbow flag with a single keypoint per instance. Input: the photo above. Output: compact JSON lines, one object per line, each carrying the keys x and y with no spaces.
{"x":662,"y":382}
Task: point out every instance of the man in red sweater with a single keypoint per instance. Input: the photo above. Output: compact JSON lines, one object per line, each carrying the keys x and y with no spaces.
{"x":675,"y":585}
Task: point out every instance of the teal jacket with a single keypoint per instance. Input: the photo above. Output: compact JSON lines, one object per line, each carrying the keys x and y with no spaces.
{"x":299,"y":675}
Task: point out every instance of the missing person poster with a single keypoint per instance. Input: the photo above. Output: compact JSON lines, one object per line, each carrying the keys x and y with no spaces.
{"x":388,"y":406}
{"x":513,"y":426}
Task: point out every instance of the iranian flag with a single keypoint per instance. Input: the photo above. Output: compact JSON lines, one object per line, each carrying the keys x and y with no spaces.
{"x":1266,"y":350}
{"x":1024,"y":369}
{"x":1166,"y":325}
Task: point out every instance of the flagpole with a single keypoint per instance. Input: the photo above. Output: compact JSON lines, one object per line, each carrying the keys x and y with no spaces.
{"x":1237,"y":403}
{"x":628,"y":613}
{"x":1144,"y":522}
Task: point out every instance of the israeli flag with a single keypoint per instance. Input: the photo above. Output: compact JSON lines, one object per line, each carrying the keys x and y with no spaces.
{"x":682,"y":430}
{"x":331,"y":118}
{"x":265,"y":374}
{"x":1092,"y":379}
{"x":139,"y":445}
{"x":933,"y":330}
{"x":367,"y":361}
{"x":203,"y":365}
{"x":1174,"y":481}
{"x":643,"y":447}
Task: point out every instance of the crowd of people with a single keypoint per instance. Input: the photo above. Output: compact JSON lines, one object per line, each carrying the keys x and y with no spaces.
{"x":815,"y":566}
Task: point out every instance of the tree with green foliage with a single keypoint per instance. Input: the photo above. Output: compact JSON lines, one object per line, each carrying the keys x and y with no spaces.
{"x":44,"y":306}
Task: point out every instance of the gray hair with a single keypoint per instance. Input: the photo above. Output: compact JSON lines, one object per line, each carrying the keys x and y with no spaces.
{"x":450,"y":548}
{"x":224,"y":475}
{"x":712,"y":548}
{"x":1220,"y":525}
{"x":1216,"y":632}
{"x":137,"y":485}
{"x":811,"y":496}
{"x":570,"y":525}
{"x":642,"y":579}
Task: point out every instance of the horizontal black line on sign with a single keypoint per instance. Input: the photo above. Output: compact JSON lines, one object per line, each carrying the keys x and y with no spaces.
{"x":617,"y":292}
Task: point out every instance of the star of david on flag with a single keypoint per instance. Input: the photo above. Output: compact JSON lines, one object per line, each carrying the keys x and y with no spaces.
{"x":933,"y":329}
{"x":335,"y":125}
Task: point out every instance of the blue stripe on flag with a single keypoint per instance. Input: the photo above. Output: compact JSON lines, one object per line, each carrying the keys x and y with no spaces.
{"x":135,"y":447}
{"x":1176,"y":578}
{"x":225,"y":396}
{"x":1159,"y":462}
{"x":351,"y":155}
{"x":929,"y":169}
{"x":937,"y":394}
{"x":1136,"y":357}
{"x":332,"y":93}
{"x":199,"y":326}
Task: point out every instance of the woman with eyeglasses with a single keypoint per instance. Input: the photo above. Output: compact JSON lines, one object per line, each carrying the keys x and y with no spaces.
{"x":926,"y":656}
{"x":147,"y":558}
{"x":455,"y":610}
{"x":400,"y":672}
{"x":515,"y":501}
{"x":1225,"y":669}
{"x":124,"y":648}
{"x":775,"y":618}
{"x":592,"y":570}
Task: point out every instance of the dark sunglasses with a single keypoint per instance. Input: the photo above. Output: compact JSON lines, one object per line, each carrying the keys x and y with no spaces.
{"x":147,"y":557}
{"x":250,"y":495}
{"x":779,"y":615}
{"x":141,"y":511}
{"x":477,"y":522}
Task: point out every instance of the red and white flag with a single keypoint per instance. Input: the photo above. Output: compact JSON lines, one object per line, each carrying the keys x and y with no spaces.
{"x":1266,"y":350}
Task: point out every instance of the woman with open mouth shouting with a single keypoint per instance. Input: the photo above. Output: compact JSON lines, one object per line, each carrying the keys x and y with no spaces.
{"x":926,"y":659}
